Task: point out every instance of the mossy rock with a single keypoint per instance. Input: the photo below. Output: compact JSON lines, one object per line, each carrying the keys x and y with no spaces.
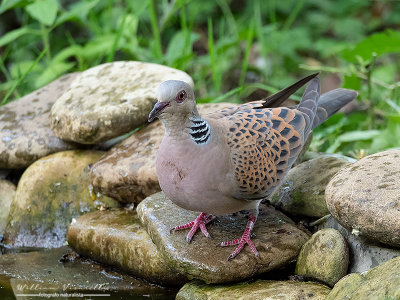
{"x":303,"y":190}
{"x":382,"y":282}
{"x":324,"y":257}
{"x":258,"y":290}
{"x":50,"y":194}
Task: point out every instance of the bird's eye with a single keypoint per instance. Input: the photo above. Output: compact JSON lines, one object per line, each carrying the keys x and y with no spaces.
{"x":181,"y":96}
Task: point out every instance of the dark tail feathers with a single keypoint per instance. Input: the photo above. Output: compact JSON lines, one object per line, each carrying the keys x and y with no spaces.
{"x":330,"y":102}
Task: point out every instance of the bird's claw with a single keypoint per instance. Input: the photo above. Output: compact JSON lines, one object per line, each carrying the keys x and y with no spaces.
{"x":200,"y":222}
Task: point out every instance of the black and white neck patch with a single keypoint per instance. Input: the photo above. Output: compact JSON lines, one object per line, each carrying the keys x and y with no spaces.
{"x":199,"y":131}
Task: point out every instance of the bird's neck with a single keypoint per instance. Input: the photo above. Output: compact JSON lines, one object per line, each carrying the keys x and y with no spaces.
{"x":192,"y":126}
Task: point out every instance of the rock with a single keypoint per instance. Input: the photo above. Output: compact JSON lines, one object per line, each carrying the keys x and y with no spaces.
{"x":277,"y":239}
{"x":364,"y":254}
{"x":62,"y":271}
{"x":109,"y":100}
{"x":382,"y":282}
{"x":303,"y":190}
{"x":365,"y":197}
{"x":258,"y":290}
{"x":7,"y":192}
{"x":128,"y":171}
{"x":325,"y":257}
{"x":51,"y":192}
{"x":25,"y":133}
{"x":117,"y":238}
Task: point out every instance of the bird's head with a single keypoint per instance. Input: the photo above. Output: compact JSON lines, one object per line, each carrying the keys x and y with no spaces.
{"x":174,"y":98}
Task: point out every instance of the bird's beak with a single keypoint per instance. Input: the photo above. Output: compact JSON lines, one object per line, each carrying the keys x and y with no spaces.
{"x":157,"y":109}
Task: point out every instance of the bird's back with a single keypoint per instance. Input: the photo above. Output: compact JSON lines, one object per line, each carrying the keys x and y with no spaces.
{"x":265,"y":142}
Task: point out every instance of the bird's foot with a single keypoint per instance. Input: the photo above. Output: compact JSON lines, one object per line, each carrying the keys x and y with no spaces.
{"x":200,"y":222}
{"x":245,"y":239}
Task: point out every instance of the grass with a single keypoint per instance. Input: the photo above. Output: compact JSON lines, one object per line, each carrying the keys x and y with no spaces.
{"x":234,"y":50}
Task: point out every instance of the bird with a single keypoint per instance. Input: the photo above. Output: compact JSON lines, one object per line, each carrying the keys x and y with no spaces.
{"x":230,"y":160}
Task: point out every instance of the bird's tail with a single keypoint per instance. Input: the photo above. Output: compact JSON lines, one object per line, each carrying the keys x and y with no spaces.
{"x":330,"y":102}
{"x":309,"y":105}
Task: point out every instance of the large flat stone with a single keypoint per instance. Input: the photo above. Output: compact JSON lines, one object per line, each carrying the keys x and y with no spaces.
{"x":51,"y":192}
{"x":128,"y":171}
{"x":109,"y":100}
{"x":277,"y":239}
{"x":61,"y":271}
{"x":117,"y":238}
{"x":25,"y":133}
{"x":365,"y":197}
{"x":258,"y":290}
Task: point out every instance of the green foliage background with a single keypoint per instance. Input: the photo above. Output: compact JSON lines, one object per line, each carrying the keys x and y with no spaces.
{"x":234,"y":50}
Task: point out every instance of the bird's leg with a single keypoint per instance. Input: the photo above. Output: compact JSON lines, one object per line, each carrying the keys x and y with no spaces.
{"x":245,"y":239}
{"x":201,"y":221}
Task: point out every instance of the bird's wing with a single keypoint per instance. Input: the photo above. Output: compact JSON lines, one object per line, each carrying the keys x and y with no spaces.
{"x":265,"y":142}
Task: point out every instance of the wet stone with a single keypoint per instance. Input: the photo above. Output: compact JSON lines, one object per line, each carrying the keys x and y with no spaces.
{"x":303,"y":190}
{"x":364,"y":254}
{"x":325,"y":257}
{"x":7,"y":192}
{"x":109,"y":100}
{"x":128,"y":171}
{"x":50,"y":193}
{"x":25,"y":133}
{"x":364,"y":197}
{"x":382,"y":282}
{"x":277,"y":240}
{"x":62,"y":271}
{"x":258,"y":290}
{"x":116,"y":237}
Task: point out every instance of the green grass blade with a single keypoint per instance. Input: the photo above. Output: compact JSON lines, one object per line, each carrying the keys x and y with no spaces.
{"x":155,"y":29}
{"x":18,"y":82}
{"x":121,"y":27}
{"x":245,"y":63}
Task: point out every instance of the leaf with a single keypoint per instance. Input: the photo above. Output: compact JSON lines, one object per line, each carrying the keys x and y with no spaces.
{"x":15,"y":34}
{"x":44,"y":11}
{"x":353,"y":136}
{"x":352,"y":82}
{"x":79,"y":11}
{"x":379,"y":43}
{"x":53,"y":71}
{"x":8,"y":4}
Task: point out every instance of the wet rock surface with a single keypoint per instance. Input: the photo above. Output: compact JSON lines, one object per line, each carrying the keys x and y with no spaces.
{"x":365,"y":197}
{"x":277,"y":240}
{"x":128,"y":171}
{"x":258,"y":290}
{"x":7,"y":192}
{"x":364,"y":254}
{"x":51,"y":192}
{"x":25,"y":133}
{"x":61,"y":271}
{"x":116,"y":237}
{"x":324,"y":257}
{"x":109,"y":100}
{"x":303,"y":190}
{"x":382,"y":282}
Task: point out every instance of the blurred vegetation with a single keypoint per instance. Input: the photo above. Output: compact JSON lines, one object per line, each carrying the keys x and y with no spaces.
{"x":234,"y":50}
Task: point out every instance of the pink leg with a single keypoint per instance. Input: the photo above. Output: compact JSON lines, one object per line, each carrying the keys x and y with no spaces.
{"x":245,"y":239}
{"x":201,"y":221}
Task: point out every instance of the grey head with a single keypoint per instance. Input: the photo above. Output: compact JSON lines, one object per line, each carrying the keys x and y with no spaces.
{"x":174,"y":98}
